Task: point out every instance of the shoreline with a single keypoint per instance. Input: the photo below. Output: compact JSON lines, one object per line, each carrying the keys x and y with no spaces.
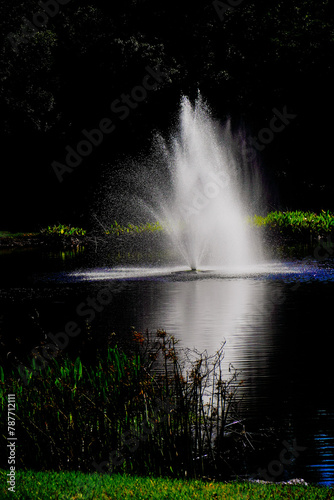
{"x":270,"y":236}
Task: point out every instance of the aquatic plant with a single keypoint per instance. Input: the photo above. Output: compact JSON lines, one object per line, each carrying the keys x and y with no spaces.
{"x":135,"y":407}
{"x":63,"y":230}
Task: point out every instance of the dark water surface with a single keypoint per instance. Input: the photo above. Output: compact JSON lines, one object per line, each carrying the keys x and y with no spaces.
{"x":276,"y":320}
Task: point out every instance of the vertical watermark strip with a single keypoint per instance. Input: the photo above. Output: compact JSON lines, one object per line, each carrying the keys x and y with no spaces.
{"x":11,"y":438}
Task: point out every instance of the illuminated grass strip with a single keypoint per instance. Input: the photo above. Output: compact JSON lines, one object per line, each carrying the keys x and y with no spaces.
{"x":296,"y":221}
{"x":76,"y":485}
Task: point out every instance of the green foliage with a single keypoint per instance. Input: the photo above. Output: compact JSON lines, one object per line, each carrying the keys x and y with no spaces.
{"x":27,"y":56}
{"x":63,"y":230}
{"x":67,"y":405}
{"x":296,"y":221}
{"x":137,"y":406}
{"x":149,"y":227}
{"x":76,"y":485}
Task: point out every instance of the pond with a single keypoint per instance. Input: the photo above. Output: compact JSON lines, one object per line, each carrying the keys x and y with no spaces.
{"x":275,"y":320}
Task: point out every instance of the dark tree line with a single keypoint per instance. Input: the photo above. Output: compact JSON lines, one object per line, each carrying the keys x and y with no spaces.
{"x":64,"y":63}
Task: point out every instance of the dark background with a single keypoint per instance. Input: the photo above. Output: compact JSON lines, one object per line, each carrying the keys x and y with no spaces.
{"x":63,"y":77}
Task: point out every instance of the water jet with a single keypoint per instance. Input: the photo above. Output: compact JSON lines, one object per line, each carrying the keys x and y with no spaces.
{"x":211,"y":189}
{"x":201,"y":185}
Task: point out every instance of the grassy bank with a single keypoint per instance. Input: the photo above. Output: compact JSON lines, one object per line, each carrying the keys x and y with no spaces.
{"x":290,"y":222}
{"x":76,"y":485}
{"x":9,"y":234}
{"x":296,"y":223}
{"x":290,"y":225}
{"x":19,"y":239}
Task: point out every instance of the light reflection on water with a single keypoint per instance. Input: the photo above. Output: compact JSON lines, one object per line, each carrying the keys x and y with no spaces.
{"x":288,"y":271}
{"x":323,"y":449}
{"x":247,"y":308}
{"x":265,"y":313}
{"x":242,"y":306}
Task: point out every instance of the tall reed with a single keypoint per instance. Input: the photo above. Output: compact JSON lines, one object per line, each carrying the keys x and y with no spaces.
{"x":149,"y":409}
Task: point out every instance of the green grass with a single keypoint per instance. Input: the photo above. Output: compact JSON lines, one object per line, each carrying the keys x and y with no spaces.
{"x":76,"y":485}
{"x":296,"y":222}
{"x":290,"y":222}
{"x":119,"y":229}
{"x":115,"y":229}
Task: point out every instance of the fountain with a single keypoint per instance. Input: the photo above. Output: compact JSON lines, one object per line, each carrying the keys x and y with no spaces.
{"x":200,"y":185}
{"x":211,"y":189}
